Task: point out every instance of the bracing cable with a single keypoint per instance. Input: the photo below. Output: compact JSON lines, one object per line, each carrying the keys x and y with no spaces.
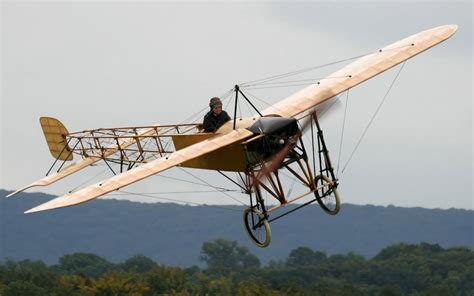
{"x":174,"y":200}
{"x":292,"y":83}
{"x":191,"y":182}
{"x":342,"y":132}
{"x":88,"y":180}
{"x":373,"y":117}
{"x":195,"y":116}
{"x":292,"y":73}
{"x":217,"y":188}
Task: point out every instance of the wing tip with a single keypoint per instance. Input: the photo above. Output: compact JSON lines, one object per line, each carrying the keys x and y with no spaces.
{"x":39,"y":208}
{"x":447,"y":30}
{"x":20,"y":190}
{"x":42,"y":207}
{"x":452,"y":28}
{"x":13,"y":193}
{"x":29,"y":211}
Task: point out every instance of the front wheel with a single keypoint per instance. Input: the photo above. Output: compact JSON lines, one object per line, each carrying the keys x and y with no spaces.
{"x":327,"y":195}
{"x":257,"y":227}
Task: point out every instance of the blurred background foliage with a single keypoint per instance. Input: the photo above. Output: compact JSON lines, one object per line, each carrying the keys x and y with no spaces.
{"x":231,"y":269}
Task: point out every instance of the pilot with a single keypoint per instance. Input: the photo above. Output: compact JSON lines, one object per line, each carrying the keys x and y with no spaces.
{"x":216,"y":117}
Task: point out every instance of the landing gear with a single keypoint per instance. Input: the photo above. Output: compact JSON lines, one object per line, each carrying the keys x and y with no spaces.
{"x":284,"y":150}
{"x":257,"y":227}
{"x":327,"y":195}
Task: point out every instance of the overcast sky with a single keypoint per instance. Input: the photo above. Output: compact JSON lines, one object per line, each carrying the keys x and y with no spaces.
{"x":119,"y":64}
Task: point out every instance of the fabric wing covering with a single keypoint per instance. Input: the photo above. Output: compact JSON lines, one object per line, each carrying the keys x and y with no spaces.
{"x":144,"y":171}
{"x":360,"y":71}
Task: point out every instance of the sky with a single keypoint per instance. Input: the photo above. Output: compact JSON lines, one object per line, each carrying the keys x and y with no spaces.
{"x":103,"y":64}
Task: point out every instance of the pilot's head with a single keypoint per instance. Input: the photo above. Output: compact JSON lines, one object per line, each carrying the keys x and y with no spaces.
{"x":216,"y":105}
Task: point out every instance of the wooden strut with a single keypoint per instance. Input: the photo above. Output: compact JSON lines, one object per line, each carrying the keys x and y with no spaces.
{"x":304,"y":174}
{"x":275,"y":187}
{"x":129,"y":145}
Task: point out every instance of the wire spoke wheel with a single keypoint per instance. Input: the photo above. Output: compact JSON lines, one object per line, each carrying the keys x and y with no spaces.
{"x":257,"y":227}
{"x":327,"y":195}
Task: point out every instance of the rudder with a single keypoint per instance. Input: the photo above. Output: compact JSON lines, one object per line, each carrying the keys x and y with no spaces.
{"x":55,"y":134}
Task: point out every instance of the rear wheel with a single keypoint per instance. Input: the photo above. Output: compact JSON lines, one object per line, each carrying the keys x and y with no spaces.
{"x":257,"y":227}
{"x":327,"y":195}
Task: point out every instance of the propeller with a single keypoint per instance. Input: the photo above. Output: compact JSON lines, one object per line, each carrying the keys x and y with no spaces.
{"x":276,"y":160}
{"x":328,"y":107}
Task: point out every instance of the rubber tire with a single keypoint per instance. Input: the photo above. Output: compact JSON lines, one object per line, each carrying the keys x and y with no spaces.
{"x":321,"y":202}
{"x":249,"y":230}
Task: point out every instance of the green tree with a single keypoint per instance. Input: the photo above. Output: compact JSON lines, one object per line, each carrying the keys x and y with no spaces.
{"x":22,"y":288}
{"x":71,"y":285}
{"x":138,"y":263}
{"x":84,"y":263}
{"x":254,"y":288}
{"x":304,"y":256}
{"x":35,"y":272}
{"x":165,"y":280}
{"x":223,"y":256}
{"x":114,"y":284}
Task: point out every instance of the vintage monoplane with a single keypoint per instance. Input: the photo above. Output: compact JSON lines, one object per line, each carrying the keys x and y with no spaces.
{"x":257,"y":148}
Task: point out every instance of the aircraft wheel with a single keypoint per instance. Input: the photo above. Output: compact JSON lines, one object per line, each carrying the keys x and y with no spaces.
{"x":257,"y":227}
{"x":327,"y":197}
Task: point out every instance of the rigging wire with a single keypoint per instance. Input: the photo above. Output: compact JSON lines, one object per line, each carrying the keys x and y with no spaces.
{"x":342,"y":133}
{"x":275,"y":77}
{"x":197,"y":114}
{"x":253,"y":96}
{"x":191,"y":182}
{"x":296,"y":72}
{"x":278,"y":86}
{"x":261,"y":100}
{"x":88,"y":180}
{"x":309,"y":80}
{"x":228,"y":102}
{"x":373,"y":117}
{"x":184,"y":192}
{"x":290,"y":83}
{"x":265,"y":81}
{"x":174,"y":200}
{"x":248,"y":107}
{"x":217,"y":188}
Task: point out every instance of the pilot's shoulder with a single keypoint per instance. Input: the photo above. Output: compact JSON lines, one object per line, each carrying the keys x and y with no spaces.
{"x":207,"y":115}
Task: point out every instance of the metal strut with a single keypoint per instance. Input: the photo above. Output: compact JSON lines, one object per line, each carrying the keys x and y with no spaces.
{"x":237,"y":92}
{"x":323,"y":153}
{"x":57,"y":158}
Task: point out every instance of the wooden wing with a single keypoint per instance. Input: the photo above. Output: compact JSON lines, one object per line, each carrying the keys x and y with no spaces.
{"x":144,"y":171}
{"x":360,"y":71}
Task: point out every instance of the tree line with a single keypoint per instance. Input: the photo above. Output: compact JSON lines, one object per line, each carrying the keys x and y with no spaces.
{"x":230,"y":269}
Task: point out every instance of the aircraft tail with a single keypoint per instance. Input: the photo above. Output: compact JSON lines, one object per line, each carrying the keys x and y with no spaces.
{"x":55,"y":134}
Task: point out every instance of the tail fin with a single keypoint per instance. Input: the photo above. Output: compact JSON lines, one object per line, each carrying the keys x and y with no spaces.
{"x":55,"y":134}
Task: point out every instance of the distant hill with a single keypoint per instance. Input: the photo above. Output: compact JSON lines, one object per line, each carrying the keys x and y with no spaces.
{"x":173,"y":234}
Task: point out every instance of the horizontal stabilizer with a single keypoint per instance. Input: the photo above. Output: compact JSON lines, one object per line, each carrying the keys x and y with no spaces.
{"x":144,"y":171}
